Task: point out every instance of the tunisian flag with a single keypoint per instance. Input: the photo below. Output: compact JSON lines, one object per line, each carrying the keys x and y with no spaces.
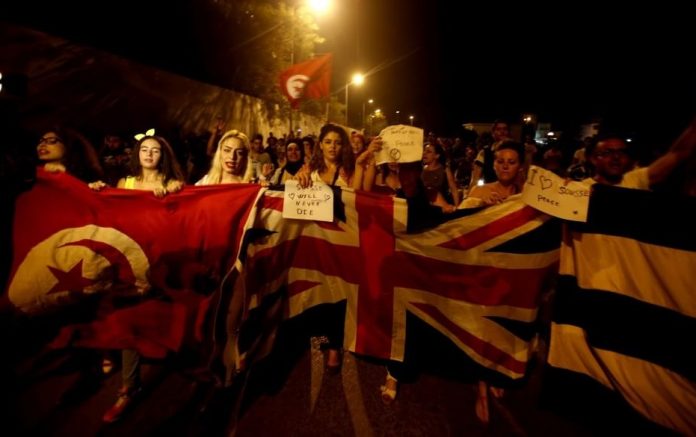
{"x":307,"y":80}
{"x":136,"y":271}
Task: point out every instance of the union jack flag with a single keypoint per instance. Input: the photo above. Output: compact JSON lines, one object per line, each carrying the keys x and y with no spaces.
{"x":474,"y":278}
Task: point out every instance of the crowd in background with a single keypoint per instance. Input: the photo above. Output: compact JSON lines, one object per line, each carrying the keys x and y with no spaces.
{"x":468,"y":170}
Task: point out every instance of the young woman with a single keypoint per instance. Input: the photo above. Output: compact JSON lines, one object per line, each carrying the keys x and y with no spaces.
{"x":334,"y":164}
{"x":231,"y":163}
{"x":294,"y":160}
{"x":155,"y":169}
{"x":508,"y":163}
{"x":388,"y":181}
{"x":333,"y":161}
{"x":62,"y":149}
{"x":357,"y":143}
{"x":438,"y":178}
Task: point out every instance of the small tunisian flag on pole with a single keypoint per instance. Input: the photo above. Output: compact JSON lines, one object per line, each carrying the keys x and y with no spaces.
{"x":307,"y":80}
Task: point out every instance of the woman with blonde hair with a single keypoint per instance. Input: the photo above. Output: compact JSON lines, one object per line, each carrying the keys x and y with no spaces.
{"x":231,"y":163}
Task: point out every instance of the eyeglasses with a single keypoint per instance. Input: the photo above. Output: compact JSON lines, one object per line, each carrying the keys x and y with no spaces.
{"x":50,"y":140}
{"x":619,"y":153}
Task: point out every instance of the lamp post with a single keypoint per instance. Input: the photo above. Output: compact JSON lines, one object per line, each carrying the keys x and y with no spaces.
{"x":357,"y":80}
{"x":410,"y":117}
{"x":362,"y":120}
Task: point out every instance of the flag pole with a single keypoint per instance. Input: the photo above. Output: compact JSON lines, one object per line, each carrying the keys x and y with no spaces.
{"x":290,"y":121}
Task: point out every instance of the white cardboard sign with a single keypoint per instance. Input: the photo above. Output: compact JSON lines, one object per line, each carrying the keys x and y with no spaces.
{"x":551,"y":194}
{"x":311,"y":203}
{"x":400,"y":143}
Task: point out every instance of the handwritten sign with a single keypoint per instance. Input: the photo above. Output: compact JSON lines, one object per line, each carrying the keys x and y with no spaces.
{"x":312,"y":203}
{"x":551,"y":194}
{"x":400,"y":143}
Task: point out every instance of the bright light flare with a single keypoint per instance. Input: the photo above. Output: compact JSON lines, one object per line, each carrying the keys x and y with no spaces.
{"x":319,"y":7}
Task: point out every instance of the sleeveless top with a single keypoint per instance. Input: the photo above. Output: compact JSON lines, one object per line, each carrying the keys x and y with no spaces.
{"x":337,"y":181}
{"x":435,"y":179}
{"x":130,"y":183}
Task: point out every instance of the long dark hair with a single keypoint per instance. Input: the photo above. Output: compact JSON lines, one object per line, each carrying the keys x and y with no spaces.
{"x":346,"y":159}
{"x":168,"y":166}
{"x":80,"y":158}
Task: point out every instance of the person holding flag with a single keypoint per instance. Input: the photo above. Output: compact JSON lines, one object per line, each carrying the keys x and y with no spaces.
{"x":158,"y":170}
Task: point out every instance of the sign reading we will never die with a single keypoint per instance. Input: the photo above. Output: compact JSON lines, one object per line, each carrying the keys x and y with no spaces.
{"x":556,"y":196}
{"x":311,"y":203}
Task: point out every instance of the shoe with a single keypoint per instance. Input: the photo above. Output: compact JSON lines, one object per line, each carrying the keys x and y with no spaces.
{"x":124,"y":401}
{"x":334,"y":368}
{"x":388,"y":390}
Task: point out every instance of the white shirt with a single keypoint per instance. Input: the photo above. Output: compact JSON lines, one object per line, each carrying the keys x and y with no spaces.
{"x":637,"y":179}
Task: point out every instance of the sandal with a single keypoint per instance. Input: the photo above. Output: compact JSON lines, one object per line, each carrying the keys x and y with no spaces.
{"x":389,"y":394}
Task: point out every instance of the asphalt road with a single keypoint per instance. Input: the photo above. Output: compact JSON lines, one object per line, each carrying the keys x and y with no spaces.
{"x":291,"y":395}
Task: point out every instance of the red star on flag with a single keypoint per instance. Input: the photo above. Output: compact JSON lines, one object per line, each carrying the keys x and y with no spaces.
{"x":71,"y":280}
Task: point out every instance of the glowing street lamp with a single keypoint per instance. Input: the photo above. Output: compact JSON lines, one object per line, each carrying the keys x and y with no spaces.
{"x":319,"y":7}
{"x":411,"y":117}
{"x":362,"y":117}
{"x":358,"y":79}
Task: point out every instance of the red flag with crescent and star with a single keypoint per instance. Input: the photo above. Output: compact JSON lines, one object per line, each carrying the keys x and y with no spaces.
{"x":153,"y":264}
{"x":306,"y":80}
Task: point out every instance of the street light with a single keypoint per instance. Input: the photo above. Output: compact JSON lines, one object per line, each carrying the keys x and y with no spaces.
{"x":410,"y":117}
{"x":357,"y":80}
{"x":320,"y":7}
{"x":362,"y":119}
{"x":305,"y":8}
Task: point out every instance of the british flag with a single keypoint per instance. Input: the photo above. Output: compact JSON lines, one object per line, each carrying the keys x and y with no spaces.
{"x":473,"y":278}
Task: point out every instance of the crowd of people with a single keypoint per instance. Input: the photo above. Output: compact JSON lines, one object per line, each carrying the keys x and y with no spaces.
{"x":453,"y":174}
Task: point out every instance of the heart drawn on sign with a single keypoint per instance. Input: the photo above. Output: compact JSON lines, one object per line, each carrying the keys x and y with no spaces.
{"x":291,"y":196}
{"x":545,"y":182}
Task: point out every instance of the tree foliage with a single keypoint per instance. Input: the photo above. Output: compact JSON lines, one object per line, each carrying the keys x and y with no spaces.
{"x":253,"y":41}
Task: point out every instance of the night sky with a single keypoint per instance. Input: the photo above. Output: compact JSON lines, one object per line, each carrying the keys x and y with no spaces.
{"x":445,"y":64}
